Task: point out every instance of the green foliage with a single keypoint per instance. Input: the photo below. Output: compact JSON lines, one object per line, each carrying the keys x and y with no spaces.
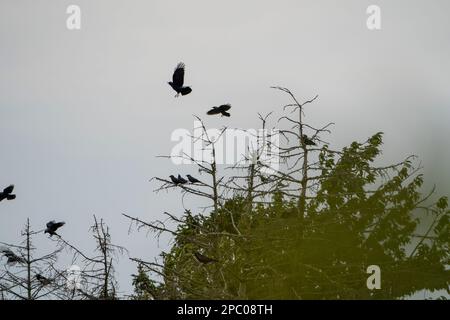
{"x":359,"y":215}
{"x":144,"y":287}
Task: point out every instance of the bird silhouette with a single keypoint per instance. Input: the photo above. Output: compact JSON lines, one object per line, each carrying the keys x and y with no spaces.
{"x":181,"y":180}
{"x":307,"y":141}
{"x":220,"y":110}
{"x":192,"y":179}
{"x":52,"y":226}
{"x":204,"y":259}
{"x":7,"y":193}
{"x":174,"y":180}
{"x":178,"y":81}
{"x":43,"y":280}
{"x":12,"y":257}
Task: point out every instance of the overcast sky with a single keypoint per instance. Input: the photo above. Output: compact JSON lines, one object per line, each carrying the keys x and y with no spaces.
{"x":83,"y":113}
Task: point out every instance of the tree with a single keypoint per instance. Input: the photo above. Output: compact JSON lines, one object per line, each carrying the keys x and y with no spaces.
{"x":27,"y":277}
{"x":96,"y":279}
{"x":144,"y":287}
{"x":310,"y":229}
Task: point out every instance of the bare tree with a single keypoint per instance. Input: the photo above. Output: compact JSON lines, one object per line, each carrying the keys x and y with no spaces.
{"x":96,"y":274}
{"x":27,"y":277}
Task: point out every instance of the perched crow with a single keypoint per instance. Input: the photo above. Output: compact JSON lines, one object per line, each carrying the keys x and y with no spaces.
{"x":178,"y":81}
{"x":308,"y":141}
{"x":181,"y":180}
{"x":43,"y":280}
{"x":204,"y":259}
{"x":192,"y":179}
{"x":7,"y":193}
{"x":220,"y":110}
{"x":12,"y":257}
{"x":174,"y":180}
{"x":52,"y":226}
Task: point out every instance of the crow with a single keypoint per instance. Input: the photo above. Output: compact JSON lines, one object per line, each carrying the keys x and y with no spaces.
{"x":178,"y":81}
{"x":12,"y":260}
{"x":12,"y":257}
{"x":181,"y":180}
{"x":192,"y":179}
{"x":7,"y":253}
{"x":7,"y":193}
{"x":52,"y":226}
{"x":43,"y":280}
{"x":204,"y":259}
{"x":220,"y":110}
{"x":307,"y":141}
{"x":174,"y":180}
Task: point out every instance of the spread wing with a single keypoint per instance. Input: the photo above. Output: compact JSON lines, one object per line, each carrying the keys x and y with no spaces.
{"x":225,"y":107}
{"x":59,"y":224}
{"x":214,"y":110}
{"x":9,"y":189}
{"x":178,"y":75}
{"x":6,"y":252}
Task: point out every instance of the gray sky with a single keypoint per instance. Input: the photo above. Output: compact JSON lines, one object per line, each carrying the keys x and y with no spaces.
{"x":84,"y":113}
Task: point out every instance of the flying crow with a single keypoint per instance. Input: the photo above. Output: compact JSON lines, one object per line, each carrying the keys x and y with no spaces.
{"x":7,"y":193}
{"x":12,"y":257}
{"x":307,"y":141}
{"x":6,"y":252}
{"x":52,"y":226}
{"x":220,"y":110}
{"x":192,"y":179}
{"x":204,"y":259}
{"x":178,"y":81}
{"x":181,"y":180}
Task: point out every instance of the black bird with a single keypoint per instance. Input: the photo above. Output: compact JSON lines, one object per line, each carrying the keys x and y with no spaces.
{"x":307,"y":141}
{"x":12,"y":257}
{"x":174,"y":180}
{"x":178,"y":81}
{"x":6,"y":252}
{"x":181,"y":180}
{"x":52,"y":226}
{"x":7,"y":193}
{"x":220,"y":110}
{"x":43,"y":280}
{"x":192,"y":179}
{"x":204,"y":259}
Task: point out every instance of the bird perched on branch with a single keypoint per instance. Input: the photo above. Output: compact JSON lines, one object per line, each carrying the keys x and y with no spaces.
{"x":43,"y":280}
{"x":204,"y":259}
{"x":192,"y":179}
{"x":174,"y":180}
{"x":220,"y":110}
{"x":177,"y":181}
{"x":52,"y":226}
{"x":181,"y":180}
{"x":307,"y":141}
{"x":177,"y":82}
{"x":7,"y":193}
